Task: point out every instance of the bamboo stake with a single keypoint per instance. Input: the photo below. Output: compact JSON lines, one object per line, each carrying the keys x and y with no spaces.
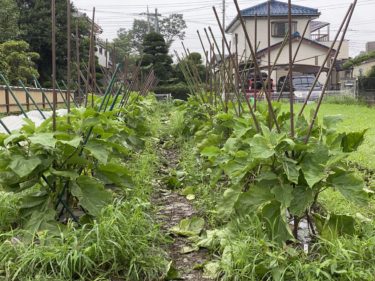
{"x":257,"y":69}
{"x":69,"y":34}
{"x":330,"y":72}
{"x":294,"y":58}
{"x":291,"y":92}
{"x":237,"y":72}
{"x":53,"y":11}
{"x":78,"y":64}
{"x":326,"y":59}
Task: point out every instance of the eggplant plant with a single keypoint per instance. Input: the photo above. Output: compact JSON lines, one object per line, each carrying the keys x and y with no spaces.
{"x":74,"y":170}
{"x":279,"y":178}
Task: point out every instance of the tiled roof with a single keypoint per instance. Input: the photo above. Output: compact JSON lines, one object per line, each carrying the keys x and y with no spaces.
{"x":278,"y":8}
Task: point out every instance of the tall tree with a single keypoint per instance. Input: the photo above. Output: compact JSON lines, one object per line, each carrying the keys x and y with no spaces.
{"x":17,"y":61}
{"x":194,"y":61}
{"x":173,"y":27}
{"x":9,"y":15}
{"x":35,"y":28}
{"x":131,"y":40}
{"x":156,"y":57}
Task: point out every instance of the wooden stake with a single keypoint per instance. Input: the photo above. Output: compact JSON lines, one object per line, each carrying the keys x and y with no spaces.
{"x":54,"y":93}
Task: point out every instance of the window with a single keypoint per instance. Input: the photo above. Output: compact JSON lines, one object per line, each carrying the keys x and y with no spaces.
{"x":101,"y":50}
{"x":279,"y":29}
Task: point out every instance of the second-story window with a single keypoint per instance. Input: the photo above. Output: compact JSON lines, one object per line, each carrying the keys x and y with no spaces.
{"x":279,"y":29}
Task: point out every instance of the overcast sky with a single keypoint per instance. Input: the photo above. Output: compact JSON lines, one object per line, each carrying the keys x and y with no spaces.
{"x":115,"y":14}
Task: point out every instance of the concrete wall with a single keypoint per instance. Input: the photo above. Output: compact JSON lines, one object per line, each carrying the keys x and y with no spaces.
{"x":262,"y":33}
{"x":9,"y":105}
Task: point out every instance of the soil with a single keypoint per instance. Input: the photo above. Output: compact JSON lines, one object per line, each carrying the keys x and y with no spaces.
{"x":174,"y":207}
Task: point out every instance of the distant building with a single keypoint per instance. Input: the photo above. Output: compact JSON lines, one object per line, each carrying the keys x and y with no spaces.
{"x":363,"y":69}
{"x":103,"y":54}
{"x":314,"y":47}
{"x":370,"y":46}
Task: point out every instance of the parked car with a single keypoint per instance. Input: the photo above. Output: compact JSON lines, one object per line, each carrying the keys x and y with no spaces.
{"x":254,"y":84}
{"x":301,"y":87}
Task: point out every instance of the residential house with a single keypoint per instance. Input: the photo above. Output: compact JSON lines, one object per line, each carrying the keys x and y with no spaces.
{"x":101,"y":52}
{"x":364,"y":68}
{"x":314,"y":48}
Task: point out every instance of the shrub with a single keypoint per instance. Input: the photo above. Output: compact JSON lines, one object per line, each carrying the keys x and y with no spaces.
{"x":178,"y":91}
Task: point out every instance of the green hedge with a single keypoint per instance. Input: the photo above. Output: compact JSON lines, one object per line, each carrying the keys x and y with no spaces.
{"x":178,"y":91}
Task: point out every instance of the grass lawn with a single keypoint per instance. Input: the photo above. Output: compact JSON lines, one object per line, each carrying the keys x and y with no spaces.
{"x":355,"y":118}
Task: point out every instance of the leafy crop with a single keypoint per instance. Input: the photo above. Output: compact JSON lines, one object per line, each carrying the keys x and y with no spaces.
{"x":60,"y":174}
{"x":279,"y":178}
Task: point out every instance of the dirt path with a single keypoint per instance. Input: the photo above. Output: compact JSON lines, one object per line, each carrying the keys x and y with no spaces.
{"x":172,"y":209}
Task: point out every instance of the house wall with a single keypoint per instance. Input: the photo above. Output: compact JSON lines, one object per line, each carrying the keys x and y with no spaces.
{"x":363,"y":69}
{"x":101,"y":54}
{"x":262,"y":33}
{"x":308,"y":54}
{"x":344,"y":51}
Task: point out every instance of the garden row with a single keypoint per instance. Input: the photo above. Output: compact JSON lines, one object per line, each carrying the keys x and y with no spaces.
{"x":276,"y":207}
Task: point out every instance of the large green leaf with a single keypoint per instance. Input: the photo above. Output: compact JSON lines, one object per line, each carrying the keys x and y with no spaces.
{"x":250,"y":201}
{"x":349,"y":185}
{"x":351,"y":141}
{"x":44,"y":139}
{"x":334,"y":225}
{"x":276,"y":223}
{"x":98,"y":149}
{"x":73,"y":175}
{"x":91,"y":194}
{"x":24,"y":166}
{"x":303,"y":196}
{"x":43,"y":220}
{"x":283,"y":193}
{"x":74,"y":142}
{"x":14,"y":138}
{"x":291,"y":169}
{"x":261,"y":148}
{"x":226,"y":205}
{"x":189,"y":227}
{"x":115,"y":173}
{"x":210,"y":151}
{"x":313,"y":165}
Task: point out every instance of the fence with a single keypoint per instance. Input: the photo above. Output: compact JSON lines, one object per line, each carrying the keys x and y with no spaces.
{"x":8,"y":104}
{"x":366,"y":89}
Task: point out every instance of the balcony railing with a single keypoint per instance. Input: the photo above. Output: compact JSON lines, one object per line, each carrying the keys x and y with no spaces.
{"x":320,"y":37}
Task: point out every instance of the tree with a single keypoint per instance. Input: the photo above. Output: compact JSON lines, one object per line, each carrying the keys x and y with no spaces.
{"x":371,"y":73}
{"x":155,"y":56}
{"x":9,"y":15}
{"x":35,"y":28}
{"x":18,"y":61}
{"x":131,"y":40}
{"x":173,"y":27}
{"x":194,"y":62}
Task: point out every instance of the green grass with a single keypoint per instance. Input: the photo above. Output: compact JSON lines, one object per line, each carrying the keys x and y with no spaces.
{"x":355,"y":118}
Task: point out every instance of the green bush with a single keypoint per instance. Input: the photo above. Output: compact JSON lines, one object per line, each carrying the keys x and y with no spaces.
{"x":178,"y":91}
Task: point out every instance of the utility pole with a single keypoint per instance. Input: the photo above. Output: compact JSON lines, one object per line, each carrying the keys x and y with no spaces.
{"x":156,"y":21}
{"x":148,"y":21}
